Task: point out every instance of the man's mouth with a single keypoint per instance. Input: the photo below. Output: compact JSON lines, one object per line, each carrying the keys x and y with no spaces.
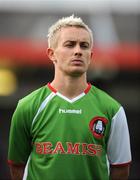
{"x":77,"y":61}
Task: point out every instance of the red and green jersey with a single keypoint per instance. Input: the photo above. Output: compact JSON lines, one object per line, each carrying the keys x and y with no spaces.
{"x":68,"y":139}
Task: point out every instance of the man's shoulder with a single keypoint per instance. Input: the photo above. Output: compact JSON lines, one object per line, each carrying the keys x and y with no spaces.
{"x":105,"y":98}
{"x":35,"y":96}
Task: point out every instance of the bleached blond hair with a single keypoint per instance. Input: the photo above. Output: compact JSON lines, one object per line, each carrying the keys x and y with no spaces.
{"x":70,"y":21}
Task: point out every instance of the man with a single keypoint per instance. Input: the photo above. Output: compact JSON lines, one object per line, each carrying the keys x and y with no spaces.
{"x":69,"y":129}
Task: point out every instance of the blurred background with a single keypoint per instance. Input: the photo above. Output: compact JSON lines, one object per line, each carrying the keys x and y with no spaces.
{"x":24,"y":65}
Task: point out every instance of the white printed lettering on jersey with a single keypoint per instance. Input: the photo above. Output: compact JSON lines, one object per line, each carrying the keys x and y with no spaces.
{"x":70,"y":111}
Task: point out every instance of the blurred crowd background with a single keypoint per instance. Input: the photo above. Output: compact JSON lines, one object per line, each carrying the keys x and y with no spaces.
{"x":24,"y":65}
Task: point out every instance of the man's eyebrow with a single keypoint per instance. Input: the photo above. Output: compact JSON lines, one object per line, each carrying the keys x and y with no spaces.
{"x":73,"y":41}
{"x":85,"y":42}
{"x":70,"y":41}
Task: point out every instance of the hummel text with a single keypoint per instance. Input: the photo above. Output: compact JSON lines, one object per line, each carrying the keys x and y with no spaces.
{"x":70,"y":111}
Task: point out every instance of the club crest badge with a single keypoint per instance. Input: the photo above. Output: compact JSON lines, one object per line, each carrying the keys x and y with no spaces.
{"x":98,"y":126}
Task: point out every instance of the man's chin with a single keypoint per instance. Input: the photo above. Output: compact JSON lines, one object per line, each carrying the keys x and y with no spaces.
{"x":76,"y":73}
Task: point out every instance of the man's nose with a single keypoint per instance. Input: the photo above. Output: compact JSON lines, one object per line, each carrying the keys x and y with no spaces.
{"x":78,"y":51}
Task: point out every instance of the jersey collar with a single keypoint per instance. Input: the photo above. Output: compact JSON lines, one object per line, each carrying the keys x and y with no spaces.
{"x":67,"y":99}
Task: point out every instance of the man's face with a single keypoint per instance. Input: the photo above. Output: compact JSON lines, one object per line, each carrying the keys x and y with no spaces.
{"x":72,"y":52}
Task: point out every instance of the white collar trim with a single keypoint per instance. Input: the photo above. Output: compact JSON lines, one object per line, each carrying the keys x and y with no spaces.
{"x":70,"y":100}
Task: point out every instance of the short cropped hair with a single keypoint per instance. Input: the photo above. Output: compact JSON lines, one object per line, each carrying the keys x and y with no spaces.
{"x":70,"y":21}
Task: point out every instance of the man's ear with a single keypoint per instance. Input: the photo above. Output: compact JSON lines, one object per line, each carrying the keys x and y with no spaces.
{"x":50,"y":54}
{"x":91,"y":56}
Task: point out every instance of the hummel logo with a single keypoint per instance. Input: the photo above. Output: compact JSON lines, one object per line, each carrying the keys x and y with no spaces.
{"x":70,"y":111}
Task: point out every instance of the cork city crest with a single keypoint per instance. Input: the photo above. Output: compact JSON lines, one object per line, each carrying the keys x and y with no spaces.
{"x":98,"y":126}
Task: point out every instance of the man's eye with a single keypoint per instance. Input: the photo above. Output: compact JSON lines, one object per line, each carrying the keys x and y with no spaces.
{"x":85,"y":46}
{"x":69,"y":45}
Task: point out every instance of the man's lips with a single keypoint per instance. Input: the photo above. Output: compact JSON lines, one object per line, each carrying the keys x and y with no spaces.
{"x":77,"y":61}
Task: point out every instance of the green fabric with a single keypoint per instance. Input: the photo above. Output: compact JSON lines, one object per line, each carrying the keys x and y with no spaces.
{"x":59,"y":140}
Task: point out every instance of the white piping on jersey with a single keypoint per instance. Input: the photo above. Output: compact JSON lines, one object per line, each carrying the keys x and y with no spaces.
{"x":43,"y":105}
{"x":70,"y":100}
{"x":108,"y":165}
{"x":26,"y":169}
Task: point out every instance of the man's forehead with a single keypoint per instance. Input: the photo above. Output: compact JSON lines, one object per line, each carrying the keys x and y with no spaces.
{"x":74,"y":33}
{"x":68,"y":29}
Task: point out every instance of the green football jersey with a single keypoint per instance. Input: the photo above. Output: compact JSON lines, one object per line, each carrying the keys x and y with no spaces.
{"x":61,"y":138}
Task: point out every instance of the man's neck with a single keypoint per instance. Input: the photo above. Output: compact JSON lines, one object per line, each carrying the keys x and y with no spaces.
{"x":70,"y":86}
